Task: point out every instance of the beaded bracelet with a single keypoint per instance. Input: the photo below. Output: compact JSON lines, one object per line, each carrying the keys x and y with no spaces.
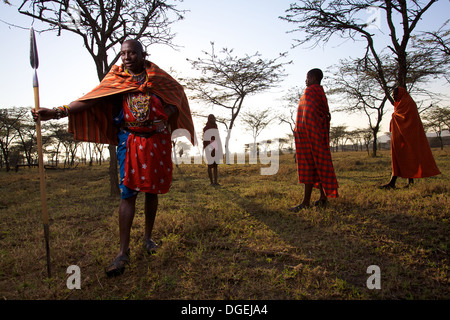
{"x":62,"y":111}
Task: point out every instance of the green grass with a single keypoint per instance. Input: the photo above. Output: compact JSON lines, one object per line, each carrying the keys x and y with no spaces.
{"x":236,"y":241}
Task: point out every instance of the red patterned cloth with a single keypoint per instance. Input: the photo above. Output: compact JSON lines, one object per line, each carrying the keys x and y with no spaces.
{"x":148,"y":162}
{"x":96,"y":123}
{"x":312,"y":141}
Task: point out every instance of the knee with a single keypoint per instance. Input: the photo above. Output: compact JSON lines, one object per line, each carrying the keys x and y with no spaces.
{"x":129,"y":201}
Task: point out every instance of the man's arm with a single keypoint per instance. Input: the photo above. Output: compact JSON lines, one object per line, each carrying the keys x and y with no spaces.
{"x":172,"y":115}
{"x":73,"y":107}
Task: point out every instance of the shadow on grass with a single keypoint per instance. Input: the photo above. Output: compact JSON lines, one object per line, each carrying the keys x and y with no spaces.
{"x":346,"y":238}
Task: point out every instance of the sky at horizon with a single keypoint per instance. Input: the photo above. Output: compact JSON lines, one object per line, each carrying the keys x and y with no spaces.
{"x":66,"y":71}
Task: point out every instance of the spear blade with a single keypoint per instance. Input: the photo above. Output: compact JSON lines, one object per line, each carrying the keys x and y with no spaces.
{"x":34,"y":59}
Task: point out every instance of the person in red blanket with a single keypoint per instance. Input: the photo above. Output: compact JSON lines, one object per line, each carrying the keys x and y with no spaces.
{"x":411,"y":154}
{"x":135,"y":106}
{"x":312,"y":142}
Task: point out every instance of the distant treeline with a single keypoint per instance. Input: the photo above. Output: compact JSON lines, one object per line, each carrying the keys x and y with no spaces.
{"x":18,"y":141}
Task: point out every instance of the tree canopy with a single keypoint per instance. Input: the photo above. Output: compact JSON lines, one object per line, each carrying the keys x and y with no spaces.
{"x":225,"y":80}
{"x":104,"y":25}
{"x":318,"y":21}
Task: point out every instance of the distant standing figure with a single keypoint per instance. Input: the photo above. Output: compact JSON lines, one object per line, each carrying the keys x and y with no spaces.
{"x":410,"y":151}
{"x":312,"y":143}
{"x":213,"y":148}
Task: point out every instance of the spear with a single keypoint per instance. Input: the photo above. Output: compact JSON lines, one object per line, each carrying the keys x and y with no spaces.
{"x":35,"y":64}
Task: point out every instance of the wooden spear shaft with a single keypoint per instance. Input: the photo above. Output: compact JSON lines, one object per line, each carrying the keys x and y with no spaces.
{"x":35,"y":64}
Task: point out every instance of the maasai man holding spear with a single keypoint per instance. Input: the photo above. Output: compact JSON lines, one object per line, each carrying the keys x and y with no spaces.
{"x":136,"y":106}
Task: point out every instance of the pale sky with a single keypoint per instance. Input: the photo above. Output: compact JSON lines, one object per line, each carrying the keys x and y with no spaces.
{"x":66,"y":71}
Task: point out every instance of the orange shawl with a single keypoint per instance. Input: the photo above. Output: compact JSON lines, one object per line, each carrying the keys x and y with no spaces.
{"x":96,"y":124}
{"x":411,"y":153}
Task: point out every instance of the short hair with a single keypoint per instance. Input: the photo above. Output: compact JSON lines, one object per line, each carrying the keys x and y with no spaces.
{"x":316,"y":73}
{"x":138,"y":44}
{"x":211,"y":118}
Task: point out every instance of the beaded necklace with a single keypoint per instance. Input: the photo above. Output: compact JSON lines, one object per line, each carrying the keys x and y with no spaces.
{"x":139,"y":78}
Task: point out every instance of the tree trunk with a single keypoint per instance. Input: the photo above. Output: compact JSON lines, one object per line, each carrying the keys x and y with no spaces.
{"x":441,"y":141}
{"x":375,"y":142}
{"x":402,"y":69}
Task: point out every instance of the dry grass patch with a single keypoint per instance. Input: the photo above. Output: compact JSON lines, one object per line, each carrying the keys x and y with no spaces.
{"x":235,"y":241}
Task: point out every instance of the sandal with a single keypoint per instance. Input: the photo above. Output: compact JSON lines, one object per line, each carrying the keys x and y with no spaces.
{"x":321,"y":203}
{"x":409,"y":185}
{"x":117,"y":267}
{"x":151,"y":246}
{"x":296,"y":209}
{"x":386,"y":187}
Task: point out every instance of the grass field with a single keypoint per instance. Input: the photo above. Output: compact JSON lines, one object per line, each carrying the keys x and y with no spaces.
{"x":235,"y":241}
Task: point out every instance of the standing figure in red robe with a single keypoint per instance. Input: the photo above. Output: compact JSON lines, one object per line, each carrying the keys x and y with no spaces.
{"x":410,"y":150}
{"x":135,"y":107}
{"x":312,"y":142}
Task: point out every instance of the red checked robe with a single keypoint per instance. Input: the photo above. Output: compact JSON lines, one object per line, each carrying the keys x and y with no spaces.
{"x":312,"y":141}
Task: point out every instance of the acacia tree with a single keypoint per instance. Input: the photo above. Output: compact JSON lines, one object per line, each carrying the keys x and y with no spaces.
{"x":320,"y":20}
{"x":437,"y":119}
{"x":26,"y":134}
{"x":58,"y":133}
{"x":338,"y":136}
{"x":9,"y":120}
{"x":289,"y":113}
{"x":362,"y":92}
{"x":437,"y":43}
{"x":18,"y":133}
{"x":355,"y":136}
{"x":359,"y":83}
{"x":70,"y":148}
{"x":256,"y":122}
{"x":227,"y":80}
{"x":366,"y":135}
{"x":103,"y":26}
